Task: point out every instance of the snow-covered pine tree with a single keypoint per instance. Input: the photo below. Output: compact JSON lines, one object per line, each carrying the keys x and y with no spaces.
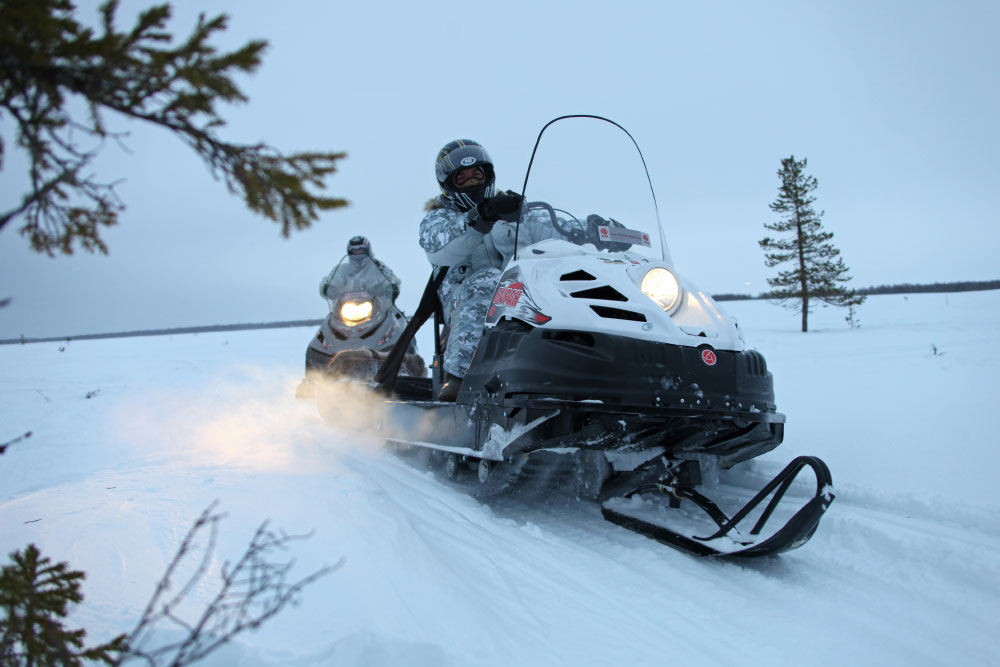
{"x":817,"y":270}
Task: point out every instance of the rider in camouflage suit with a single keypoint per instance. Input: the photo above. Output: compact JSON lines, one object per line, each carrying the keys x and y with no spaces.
{"x":471,"y":229}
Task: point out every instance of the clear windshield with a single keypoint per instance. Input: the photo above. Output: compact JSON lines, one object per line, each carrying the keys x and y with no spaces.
{"x":590,"y":174}
{"x":358,"y":277}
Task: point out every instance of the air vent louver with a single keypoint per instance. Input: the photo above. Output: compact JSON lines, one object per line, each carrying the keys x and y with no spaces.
{"x":618,"y":314}
{"x":577,"y":275}
{"x":603,"y":293}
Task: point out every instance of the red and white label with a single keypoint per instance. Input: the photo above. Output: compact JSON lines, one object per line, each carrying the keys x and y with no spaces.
{"x":508,"y":296}
{"x":709,"y":357}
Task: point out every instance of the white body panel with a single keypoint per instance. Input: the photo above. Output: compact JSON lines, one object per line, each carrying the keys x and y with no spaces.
{"x":533,"y":289}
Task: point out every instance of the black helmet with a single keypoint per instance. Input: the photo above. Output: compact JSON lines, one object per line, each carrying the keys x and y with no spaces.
{"x":455,"y":156}
{"x":359,"y":245}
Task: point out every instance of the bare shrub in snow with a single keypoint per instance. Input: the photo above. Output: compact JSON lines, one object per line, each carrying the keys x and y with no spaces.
{"x":35,"y":595}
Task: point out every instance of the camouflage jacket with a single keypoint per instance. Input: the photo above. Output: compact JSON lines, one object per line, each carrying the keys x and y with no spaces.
{"x":448,"y":241}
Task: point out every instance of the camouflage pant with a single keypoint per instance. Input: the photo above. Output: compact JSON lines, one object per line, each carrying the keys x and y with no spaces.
{"x":466,"y":310}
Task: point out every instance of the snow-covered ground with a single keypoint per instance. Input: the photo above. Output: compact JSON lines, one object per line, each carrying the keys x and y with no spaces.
{"x":904,"y":570}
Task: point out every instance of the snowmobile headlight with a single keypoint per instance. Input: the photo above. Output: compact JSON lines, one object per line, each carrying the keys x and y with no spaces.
{"x":662,"y":287}
{"x":355,"y":312}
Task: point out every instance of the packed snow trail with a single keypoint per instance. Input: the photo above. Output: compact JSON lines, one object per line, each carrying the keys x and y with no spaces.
{"x":897,"y":574}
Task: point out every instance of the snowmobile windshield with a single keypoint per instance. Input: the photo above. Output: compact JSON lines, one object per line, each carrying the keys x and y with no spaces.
{"x":588,"y":180}
{"x":359,"y":295}
{"x":358,"y":275}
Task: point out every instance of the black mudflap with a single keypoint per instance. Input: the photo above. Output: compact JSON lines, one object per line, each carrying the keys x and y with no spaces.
{"x":727,"y":541}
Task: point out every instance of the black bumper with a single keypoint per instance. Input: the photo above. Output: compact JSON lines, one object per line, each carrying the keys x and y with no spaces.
{"x":618,"y":392}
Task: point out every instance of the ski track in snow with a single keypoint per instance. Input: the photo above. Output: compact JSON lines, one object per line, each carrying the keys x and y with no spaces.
{"x":898,"y":573}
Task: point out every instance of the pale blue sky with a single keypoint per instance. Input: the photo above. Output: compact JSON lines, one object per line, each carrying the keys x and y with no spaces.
{"x":894,"y":103}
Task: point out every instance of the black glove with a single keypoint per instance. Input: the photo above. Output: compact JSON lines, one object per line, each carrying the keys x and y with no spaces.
{"x":478,"y":222}
{"x":504,"y":206}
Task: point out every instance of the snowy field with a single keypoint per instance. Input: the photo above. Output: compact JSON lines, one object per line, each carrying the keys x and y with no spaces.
{"x":904,"y":570}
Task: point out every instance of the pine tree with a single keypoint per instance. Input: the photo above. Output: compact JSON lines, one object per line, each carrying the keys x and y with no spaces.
{"x":49,"y":62}
{"x":34,"y":596}
{"x":817,"y":271}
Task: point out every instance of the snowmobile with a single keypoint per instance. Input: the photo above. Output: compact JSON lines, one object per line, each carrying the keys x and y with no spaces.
{"x":363,"y":316}
{"x":599,"y":357}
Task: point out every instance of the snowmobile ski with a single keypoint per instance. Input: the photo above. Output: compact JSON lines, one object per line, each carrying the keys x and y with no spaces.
{"x":727,"y":541}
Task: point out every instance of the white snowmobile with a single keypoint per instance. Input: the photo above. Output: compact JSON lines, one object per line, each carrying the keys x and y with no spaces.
{"x":599,"y":356}
{"x":363,"y":317}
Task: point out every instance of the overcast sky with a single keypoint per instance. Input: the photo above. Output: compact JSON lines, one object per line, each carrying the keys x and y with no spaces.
{"x":893,"y":103}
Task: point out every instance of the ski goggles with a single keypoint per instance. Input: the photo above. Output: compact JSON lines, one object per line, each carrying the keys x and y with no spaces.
{"x":468,"y":177}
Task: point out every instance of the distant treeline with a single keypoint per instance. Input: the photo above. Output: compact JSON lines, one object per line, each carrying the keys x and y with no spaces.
{"x":168,"y":332}
{"x":903,"y":288}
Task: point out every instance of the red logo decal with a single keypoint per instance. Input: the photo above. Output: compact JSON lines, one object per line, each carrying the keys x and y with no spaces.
{"x":604,"y":231}
{"x":708,"y":357}
{"x":508,"y":296}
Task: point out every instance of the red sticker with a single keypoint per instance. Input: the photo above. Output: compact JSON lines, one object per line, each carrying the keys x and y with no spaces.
{"x":508,"y":296}
{"x":708,"y":357}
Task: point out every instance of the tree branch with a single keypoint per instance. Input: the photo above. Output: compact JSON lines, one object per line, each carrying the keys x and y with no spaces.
{"x":4,"y":446}
{"x":46,"y":54}
{"x":250,"y":592}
